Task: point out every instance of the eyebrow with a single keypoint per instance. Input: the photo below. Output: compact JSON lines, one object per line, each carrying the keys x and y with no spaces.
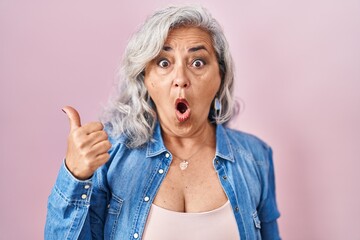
{"x":193,"y":49}
{"x":167,"y":48}
{"x":198,"y":48}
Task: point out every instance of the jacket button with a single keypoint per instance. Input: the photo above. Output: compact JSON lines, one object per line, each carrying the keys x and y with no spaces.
{"x":84,"y":196}
{"x":146,"y":199}
{"x":136,"y":235}
{"x":161,"y":171}
{"x":87,"y":186}
{"x":167,"y":155}
{"x":224,"y":177}
{"x":236,"y":209}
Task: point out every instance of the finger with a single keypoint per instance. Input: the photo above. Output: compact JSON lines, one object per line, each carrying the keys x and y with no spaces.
{"x":100,"y":148}
{"x":73,"y":116}
{"x":92,"y":127}
{"x":96,"y":137}
{"x":103,"y":158}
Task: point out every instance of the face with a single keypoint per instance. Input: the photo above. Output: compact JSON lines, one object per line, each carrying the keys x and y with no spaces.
{"x":183,"y":80}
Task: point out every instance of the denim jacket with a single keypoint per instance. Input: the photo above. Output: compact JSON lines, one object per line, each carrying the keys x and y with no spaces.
{"x":115,"y":202}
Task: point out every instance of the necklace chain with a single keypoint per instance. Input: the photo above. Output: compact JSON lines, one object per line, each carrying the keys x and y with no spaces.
{"x":184,"y":161}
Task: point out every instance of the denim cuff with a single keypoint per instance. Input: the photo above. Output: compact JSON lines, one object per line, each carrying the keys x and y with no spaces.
{"x":71,"y":189}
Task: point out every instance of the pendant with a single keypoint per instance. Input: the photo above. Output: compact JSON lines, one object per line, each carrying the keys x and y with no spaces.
{"x":184,"y":164}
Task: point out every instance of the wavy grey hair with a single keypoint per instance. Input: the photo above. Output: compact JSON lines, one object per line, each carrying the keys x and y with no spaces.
{"x":131,"y":111}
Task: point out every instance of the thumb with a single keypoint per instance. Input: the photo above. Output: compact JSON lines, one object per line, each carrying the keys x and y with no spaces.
{"x":73,"y":116}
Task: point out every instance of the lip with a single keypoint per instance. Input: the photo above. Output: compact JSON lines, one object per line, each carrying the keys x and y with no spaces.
{"x":182,"y":117}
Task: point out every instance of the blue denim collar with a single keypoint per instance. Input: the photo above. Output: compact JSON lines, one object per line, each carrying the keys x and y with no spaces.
{"x":223,"y":147}
{"x":156,"y":145}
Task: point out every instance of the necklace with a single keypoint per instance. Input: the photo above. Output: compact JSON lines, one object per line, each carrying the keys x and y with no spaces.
{"x":184,"y":162}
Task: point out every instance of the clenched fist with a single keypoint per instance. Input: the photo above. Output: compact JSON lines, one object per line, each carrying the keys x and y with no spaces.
{"x":87,"y":147}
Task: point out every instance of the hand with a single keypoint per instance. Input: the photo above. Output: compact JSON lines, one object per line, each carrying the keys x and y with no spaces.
{"x":87,"y":146}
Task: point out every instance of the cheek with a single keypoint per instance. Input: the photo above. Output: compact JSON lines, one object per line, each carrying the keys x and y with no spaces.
{"x":212,"y":85}
{"x":152,"y":84}
{"x":149,"y":78}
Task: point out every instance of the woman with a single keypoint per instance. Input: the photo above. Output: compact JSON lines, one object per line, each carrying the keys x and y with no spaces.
{"x":165,"y":166}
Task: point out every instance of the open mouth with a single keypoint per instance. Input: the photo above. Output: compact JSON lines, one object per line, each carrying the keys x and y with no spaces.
{"x":182,"y":109}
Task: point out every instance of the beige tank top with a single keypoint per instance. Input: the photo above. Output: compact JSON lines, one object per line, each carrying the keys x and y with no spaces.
{"x":217,"y":224}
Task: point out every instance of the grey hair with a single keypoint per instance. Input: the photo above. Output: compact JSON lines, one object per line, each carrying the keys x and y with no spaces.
{"x":131,"y":111}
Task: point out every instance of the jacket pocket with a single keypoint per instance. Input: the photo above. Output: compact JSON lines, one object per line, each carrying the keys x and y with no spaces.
{"x":113,"y":213}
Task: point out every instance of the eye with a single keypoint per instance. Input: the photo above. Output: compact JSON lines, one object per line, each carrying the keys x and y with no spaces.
{"x":198,"y":63}
{"x":164,"y":63}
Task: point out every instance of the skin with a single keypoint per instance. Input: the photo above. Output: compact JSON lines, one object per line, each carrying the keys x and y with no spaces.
{"x":87,"y":146}
{"x":187,"y":68}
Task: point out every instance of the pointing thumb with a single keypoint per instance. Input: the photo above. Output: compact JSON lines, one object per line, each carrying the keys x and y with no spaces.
{"x":73,"y":116}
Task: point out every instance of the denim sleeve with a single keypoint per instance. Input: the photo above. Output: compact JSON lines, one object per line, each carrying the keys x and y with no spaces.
{"x":268,"y":211}
{"x":69,"y":215}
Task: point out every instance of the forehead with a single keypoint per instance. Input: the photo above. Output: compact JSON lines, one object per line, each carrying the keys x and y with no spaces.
{"x":188,"y":37}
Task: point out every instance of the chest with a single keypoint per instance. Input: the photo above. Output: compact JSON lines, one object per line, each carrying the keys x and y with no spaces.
{"x":135,"y":183}
{"x":195,"y":189}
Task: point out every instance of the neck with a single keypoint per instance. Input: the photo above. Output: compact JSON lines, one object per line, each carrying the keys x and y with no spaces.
{"x":183,"y":145}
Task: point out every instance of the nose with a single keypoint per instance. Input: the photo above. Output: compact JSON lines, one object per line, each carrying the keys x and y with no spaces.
{"x":181,"y":79}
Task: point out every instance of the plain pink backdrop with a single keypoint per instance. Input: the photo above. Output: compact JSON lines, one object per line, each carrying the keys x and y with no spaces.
{"x":297,"y":77}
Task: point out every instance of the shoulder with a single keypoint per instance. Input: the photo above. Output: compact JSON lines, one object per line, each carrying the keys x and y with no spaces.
{"x":248,"y":145}
{"x":118,"y":143}
{"x":245,"y":139}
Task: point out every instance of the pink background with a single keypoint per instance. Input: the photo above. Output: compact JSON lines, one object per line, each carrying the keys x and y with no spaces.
{"x":298,"y":78}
